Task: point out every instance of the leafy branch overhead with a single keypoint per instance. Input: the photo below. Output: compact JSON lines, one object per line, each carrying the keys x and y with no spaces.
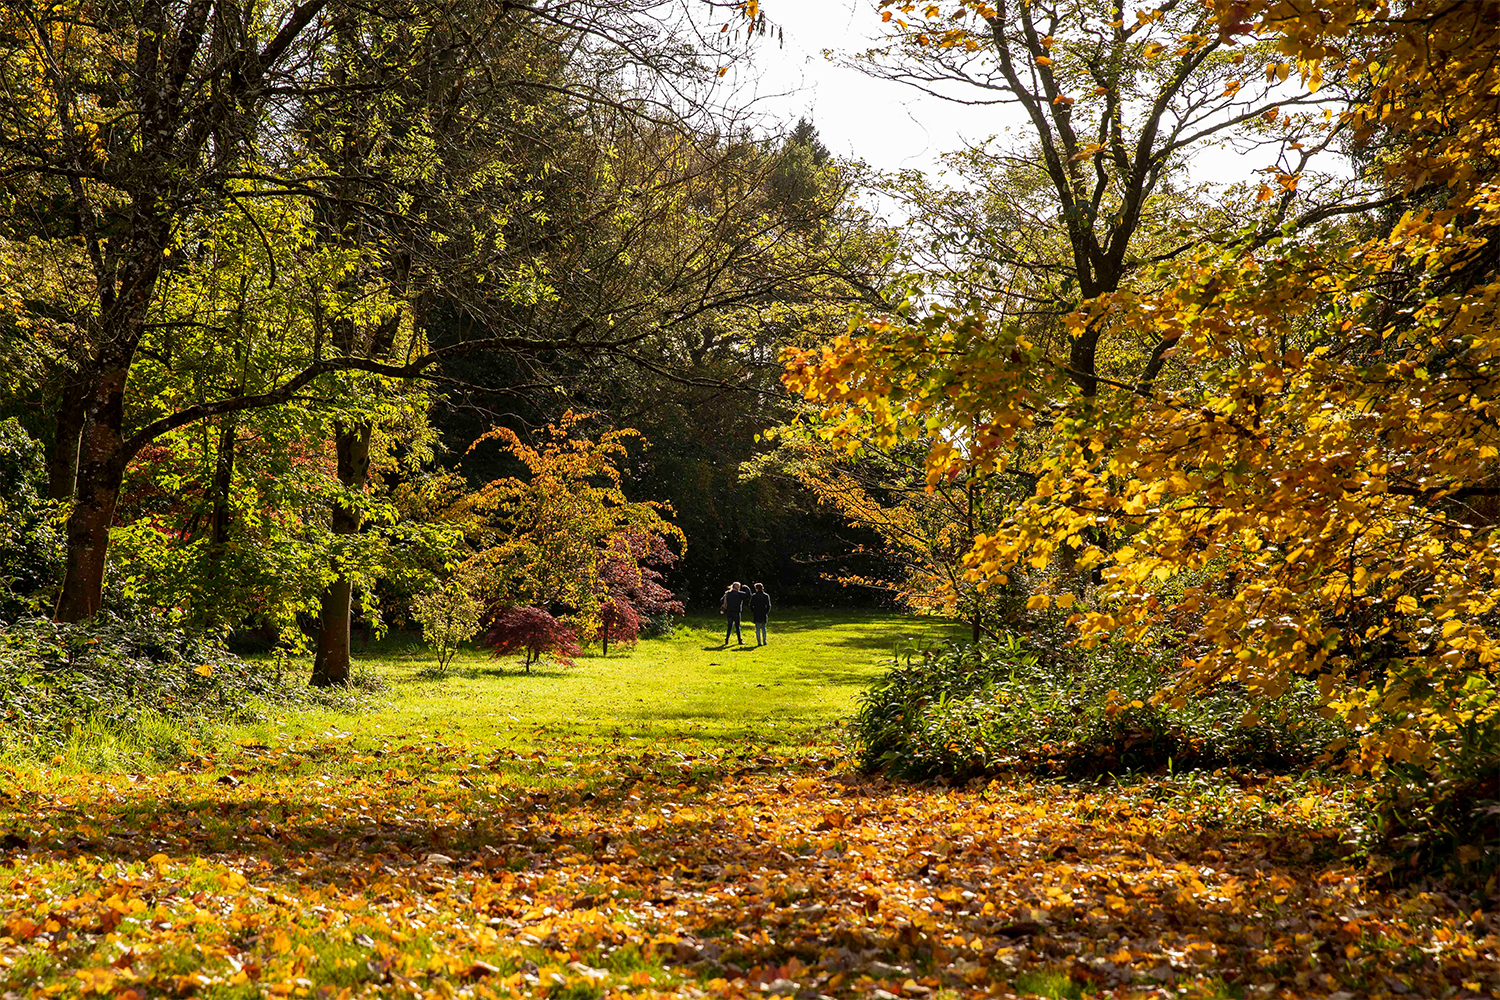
{"x":1291,"y":474}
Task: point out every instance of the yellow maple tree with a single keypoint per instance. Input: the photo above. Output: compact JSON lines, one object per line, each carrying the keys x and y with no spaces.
{"x":1313,"y":489}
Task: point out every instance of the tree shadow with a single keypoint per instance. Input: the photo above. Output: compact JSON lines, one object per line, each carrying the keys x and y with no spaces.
{"x":516,"y":673}
{"x":472,"y":672}
{"x":300,"y":841}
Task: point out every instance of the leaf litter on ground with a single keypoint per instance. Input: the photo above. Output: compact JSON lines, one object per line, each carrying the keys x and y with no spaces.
{"x":334,"y":867}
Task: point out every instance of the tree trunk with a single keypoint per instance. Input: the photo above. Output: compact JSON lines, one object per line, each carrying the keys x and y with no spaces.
{"x":223,"y":481}
{"x":62,"y":459}
{"x":331,"y":664}
{"x":101,"y":469}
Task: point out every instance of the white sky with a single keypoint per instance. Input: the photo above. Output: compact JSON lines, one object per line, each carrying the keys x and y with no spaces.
{"x":886,"y":124}
{"x":889,"y":125}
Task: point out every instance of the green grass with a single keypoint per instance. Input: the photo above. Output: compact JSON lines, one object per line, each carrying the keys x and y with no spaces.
{"x":1049,"y":983}
{"x":689,"y":687}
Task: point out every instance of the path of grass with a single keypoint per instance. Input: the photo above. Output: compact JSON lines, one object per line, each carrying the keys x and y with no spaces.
{"x":686,"y":687}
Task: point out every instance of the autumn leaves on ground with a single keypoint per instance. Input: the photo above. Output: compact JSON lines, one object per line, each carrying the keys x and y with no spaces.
{"x":675,"y":843}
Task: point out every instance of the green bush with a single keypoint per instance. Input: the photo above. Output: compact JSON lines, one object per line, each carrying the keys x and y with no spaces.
{"x":962,"y":710}
{"x":30,"y":534}
{"x":662,"y":626}
{"x":1442,"y":815}
{"x":118,"y":679}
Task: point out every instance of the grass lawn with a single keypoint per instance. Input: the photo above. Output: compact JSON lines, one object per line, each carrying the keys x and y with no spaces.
{"x":675,"y":822}
{"x":688,"y":687}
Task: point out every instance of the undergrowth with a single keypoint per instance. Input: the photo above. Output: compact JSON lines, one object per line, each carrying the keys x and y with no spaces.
{"x":959,"y":711}
{"x":139,"y":688}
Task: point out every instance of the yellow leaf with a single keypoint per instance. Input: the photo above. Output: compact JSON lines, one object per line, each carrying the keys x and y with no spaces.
{"x":203,"y":669}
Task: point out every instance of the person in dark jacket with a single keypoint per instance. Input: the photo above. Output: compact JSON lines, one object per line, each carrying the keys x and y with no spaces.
{"x":760,"y":610}
{"x":732,"y":605}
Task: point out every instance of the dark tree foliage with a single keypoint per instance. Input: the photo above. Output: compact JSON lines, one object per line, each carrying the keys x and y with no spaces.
{"x":30,"y":544}
{"x":743,"y":247}
{"x":633,"y":573}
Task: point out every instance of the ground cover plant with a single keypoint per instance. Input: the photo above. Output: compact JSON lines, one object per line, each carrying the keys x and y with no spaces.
{"x":961,"y":710}
{"x":446,"y":849}
{"x":136,"y":682}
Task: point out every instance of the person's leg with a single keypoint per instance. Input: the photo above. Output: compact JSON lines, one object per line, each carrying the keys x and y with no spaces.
{"x":737,"y":636}
{"x":760,"y":633}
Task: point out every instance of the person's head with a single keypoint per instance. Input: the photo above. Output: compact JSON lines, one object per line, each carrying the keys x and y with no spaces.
{"x":735,"y":585}
{"x":759,"y":587}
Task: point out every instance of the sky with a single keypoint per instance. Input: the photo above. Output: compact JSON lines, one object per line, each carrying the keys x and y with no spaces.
{"x":889,"y":125}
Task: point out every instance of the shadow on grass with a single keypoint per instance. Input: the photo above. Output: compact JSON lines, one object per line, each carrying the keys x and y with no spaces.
{"x":306,"y":839}
{"x":374,"y":818}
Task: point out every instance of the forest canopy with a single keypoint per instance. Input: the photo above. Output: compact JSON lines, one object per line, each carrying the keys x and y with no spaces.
{"x":507,"y":321}
{"x":269,"y":271}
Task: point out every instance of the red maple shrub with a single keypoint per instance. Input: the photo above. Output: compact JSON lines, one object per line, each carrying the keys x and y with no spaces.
{"x":618,"y":621}
{"x":630,"y":574}
{"x":531,"y":631}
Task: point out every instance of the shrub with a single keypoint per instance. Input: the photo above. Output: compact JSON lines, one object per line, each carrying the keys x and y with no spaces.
{"x":30,"y":538}
{"x":449,"y":617}
{"x":964,"y":710}
{"x":130,"y":676}
{"x":660,"y":626}
{"x":534,"y":632}
{"x":1441,"y":815}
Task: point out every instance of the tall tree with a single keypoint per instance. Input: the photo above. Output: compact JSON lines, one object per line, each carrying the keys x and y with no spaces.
{"x":1314,"y":494}
{"x":133,"y":124}
{"x":1115,"y":101}
{"x":133,"y":114}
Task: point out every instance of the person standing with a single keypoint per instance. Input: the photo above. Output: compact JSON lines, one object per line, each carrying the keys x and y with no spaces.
{"x":733,"y":604}
{"x":760,"y":610}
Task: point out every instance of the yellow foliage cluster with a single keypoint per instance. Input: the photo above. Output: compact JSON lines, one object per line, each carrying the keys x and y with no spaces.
{"x":541,"y":538}
{"x":1315,"y":491}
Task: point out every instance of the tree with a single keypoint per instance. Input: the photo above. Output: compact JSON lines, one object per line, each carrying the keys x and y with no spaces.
{"x":925,"y":528}
{"x":633,"y":572}
{"x":227,"y":517}
{"x":632,"y":588}
{"x":543,"y":539}
{"x":1314,"y":494}
{"x":617,"y":621}
{"x":123,"y":124}
{"x":534,"y":632}
{"x":450,"y":616}
{"x":1115,"y":101}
